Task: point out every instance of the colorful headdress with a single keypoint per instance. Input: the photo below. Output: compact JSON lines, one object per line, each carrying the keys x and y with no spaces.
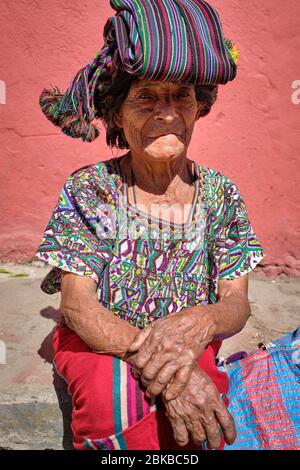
{"x":169,"y":40}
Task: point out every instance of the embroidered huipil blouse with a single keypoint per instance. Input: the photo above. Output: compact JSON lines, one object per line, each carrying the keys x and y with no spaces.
{"x":146,"y":267}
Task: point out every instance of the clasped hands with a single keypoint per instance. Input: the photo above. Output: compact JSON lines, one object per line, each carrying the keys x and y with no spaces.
{"x":165,"y":357}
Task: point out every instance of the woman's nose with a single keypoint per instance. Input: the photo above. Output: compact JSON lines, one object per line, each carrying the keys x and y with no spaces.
{"x":166,"y":110}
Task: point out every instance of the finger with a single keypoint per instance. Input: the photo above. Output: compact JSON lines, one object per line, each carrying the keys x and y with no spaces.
{"x":197,"y":432}
{"x":162,"y":377}
{"x":180,"y":380}
{"x":145,"y":350}
{"x":212,"y":431}
{"x":151,"y":379}
{"x":180,"y":431}
{"x":139,"y":339}
{"x":226,"y":422}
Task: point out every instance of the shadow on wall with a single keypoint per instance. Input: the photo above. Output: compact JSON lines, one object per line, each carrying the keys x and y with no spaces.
{"x":60,"y":385}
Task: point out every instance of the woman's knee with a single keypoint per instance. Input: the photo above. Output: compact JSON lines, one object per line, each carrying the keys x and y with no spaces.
{"x":91,"y":390}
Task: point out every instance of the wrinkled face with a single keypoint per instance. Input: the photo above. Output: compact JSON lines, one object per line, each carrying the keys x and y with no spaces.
{"x":158,"y":118}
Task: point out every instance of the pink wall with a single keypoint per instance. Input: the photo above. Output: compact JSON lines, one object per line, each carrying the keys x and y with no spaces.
{"x":252,"y":134}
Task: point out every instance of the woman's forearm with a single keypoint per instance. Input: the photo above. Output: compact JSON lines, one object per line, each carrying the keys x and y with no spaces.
{"x":97,"y":327}
{"x":229,"y":315}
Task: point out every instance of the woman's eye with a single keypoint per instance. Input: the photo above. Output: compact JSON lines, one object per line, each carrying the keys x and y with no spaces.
{"x":183,"y":94}
{"x":145,"y":97}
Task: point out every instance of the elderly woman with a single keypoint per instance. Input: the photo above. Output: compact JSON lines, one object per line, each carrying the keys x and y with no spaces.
{"x":151,"y":251}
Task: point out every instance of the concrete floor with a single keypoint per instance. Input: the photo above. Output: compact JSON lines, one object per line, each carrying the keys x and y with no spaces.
{"x":34,"y":407}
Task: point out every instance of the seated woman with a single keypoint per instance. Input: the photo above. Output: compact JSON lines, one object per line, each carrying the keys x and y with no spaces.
{"x":151,"y":251}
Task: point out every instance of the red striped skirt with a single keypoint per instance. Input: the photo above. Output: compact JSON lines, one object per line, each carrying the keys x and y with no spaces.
{"x":110,"y":408}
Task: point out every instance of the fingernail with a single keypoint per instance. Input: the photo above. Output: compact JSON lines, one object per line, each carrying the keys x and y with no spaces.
{"x":169,"y":396}
{"x":182,"y":443}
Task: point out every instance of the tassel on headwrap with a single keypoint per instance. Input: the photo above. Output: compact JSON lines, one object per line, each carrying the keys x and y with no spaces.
{"x":74,"y":110}
{"x":169,"y":40}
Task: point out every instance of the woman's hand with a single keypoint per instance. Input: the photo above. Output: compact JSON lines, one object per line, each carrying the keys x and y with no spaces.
{"x":200,"y":413}
{"x":169,"y":349}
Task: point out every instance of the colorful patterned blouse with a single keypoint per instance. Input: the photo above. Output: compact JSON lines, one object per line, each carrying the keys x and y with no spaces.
{"x":146,"y":267}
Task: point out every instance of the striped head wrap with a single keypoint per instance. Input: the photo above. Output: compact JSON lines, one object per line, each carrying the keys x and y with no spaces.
{"x":168,"y":40}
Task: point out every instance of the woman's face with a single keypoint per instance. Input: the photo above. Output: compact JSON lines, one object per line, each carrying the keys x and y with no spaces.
{"x":158,"y":118}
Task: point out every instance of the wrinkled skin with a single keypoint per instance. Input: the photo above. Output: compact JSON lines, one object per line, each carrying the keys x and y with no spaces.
{"x":168,"y":350}
{"x":158,"y":119}
{"x":199,"y":413}
{"x":165,"y":360}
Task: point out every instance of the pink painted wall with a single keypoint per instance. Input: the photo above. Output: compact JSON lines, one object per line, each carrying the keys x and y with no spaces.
{"x":251,"y":135}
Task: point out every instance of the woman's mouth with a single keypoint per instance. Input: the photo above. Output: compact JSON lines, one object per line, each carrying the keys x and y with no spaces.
{"x":165,"y":134}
